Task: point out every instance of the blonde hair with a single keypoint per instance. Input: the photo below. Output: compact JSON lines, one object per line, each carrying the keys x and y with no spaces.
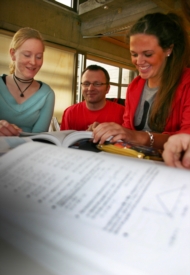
{"x":19,"y":38}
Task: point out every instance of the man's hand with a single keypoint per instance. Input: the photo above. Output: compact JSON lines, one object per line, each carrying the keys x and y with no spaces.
{"x":92,"y":126}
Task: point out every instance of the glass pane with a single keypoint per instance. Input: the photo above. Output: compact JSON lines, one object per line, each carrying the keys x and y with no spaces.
{"x":79,"y":72}
{"x":125,"y":76}
{"x":112,"y":70}
{"x":128,"y":76}
{"x":113,"y":92}
{"x":65,"y":2}
{"x":123,"y":92}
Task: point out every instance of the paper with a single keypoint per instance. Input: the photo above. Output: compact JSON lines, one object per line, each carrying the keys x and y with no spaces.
{"x":104,"y":212}
{"x":8,"y":143}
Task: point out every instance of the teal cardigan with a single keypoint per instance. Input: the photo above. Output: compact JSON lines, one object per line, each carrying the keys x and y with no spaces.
{"x":33,"y":115}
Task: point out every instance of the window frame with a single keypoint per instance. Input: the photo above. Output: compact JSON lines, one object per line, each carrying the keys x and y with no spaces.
{"x":118,"y":84}
{"x":74,"y":7}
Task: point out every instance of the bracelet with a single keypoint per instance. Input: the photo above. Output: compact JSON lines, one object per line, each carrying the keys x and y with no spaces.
{"x":151,"y":138}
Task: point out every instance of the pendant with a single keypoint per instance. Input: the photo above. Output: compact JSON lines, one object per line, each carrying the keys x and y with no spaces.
{"x":21,"y":95}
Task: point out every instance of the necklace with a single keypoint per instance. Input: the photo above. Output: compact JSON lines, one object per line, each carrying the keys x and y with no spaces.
{"x":22,"y":81}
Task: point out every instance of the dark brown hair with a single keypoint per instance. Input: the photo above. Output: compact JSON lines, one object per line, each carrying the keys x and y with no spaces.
{"x":170,"y":31}
{"x":95,"y":67}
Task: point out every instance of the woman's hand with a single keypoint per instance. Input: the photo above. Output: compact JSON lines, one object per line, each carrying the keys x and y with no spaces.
{"x":177,"y":151}
{"x":114,"y":132}
{"x":7,"y":129}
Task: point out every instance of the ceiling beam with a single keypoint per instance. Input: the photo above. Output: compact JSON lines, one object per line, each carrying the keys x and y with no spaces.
{"x":115,"y":41}
{"x":120,"y":13}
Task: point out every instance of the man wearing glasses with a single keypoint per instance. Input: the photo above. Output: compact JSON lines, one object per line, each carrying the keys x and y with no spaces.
{"x":95,"y":108}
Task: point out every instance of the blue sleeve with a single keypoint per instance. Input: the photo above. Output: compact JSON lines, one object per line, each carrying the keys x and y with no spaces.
{"x":46,"y":113}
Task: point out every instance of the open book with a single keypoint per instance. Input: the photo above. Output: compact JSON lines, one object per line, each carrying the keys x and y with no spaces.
{"x":81,"y":140}
{"x":60,"y":138}
{"x":79,"y":213}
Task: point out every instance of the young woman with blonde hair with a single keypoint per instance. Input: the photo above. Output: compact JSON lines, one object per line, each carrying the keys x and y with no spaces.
{"x":25,"y":103}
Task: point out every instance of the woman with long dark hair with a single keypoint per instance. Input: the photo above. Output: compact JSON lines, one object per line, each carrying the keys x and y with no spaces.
{"x":158,"y":100}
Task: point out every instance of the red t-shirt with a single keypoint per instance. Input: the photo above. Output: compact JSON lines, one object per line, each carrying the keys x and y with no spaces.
{"x":79,"y":117}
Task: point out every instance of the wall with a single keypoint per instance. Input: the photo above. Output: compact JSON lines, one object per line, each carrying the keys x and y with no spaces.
{"x":58,"y":26}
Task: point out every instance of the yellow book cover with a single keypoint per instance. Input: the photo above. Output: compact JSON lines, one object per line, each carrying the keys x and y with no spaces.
{"x":131,"y":150}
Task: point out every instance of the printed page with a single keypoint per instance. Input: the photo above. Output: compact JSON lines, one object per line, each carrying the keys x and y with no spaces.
{"x":96,"y":211}
{"x":8,"y":143}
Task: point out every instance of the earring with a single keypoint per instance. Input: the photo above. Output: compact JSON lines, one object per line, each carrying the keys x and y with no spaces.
{"x":168,"y":55}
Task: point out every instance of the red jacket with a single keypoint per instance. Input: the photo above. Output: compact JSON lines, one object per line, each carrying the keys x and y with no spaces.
{"x":179,"y":119}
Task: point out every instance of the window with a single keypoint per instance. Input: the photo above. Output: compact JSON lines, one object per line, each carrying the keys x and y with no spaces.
{"x":80,"y":66}
{"x":127,"y":77}
{"x":114,"y":77}
{"x":68,"y":4}
{"x":65,"y":2}
{"x":119,"y":77}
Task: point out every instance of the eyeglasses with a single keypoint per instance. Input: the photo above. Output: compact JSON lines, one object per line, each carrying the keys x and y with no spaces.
{"x":95,"y":84}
